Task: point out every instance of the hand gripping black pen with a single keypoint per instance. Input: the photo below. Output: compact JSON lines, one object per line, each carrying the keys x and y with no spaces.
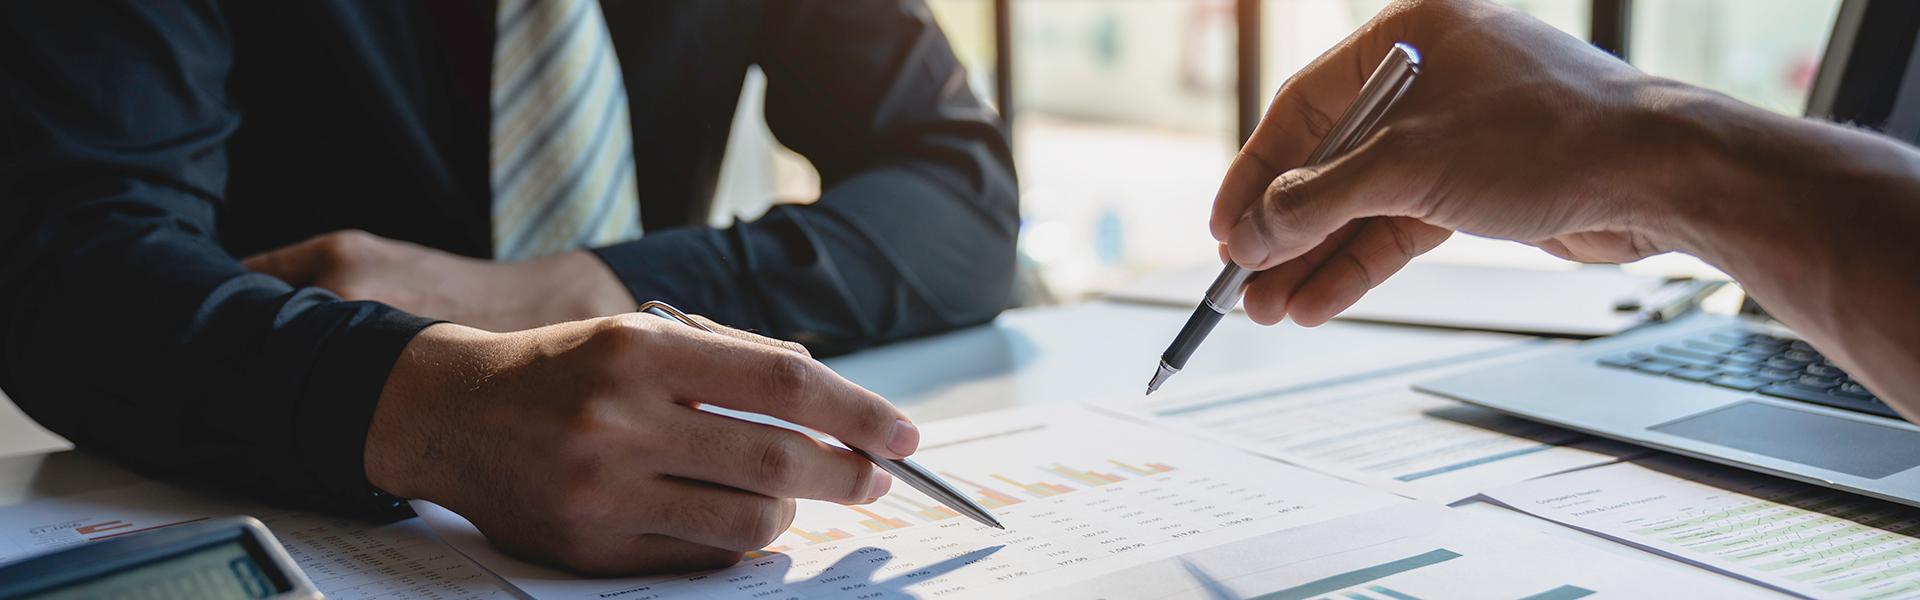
{"x":1389,"y":81}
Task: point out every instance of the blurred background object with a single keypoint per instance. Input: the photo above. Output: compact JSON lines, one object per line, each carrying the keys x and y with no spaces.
{"x":1126,"y":112}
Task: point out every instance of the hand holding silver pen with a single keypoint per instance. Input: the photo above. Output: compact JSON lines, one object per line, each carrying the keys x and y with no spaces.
{"x":1389,"y":81}
{"x":903,"y":469}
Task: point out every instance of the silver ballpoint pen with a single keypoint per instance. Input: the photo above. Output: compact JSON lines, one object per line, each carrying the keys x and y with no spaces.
{"x":905,"y":470}
{"x":1389,"y":81}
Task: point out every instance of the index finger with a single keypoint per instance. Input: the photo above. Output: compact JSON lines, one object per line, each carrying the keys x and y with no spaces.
{"x":1301,"y":114}
{"x":777,"y":382}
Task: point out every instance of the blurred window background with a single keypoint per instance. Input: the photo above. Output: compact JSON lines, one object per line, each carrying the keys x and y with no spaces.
{"x":1125,"y":111}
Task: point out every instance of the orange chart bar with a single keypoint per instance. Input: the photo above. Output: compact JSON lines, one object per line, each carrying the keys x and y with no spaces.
{"x":1086,"y":477}
{"x":1037,"y":490}
{"x":877,"y":522}
{"x":989,"y":498}
{"x":766,"y":552}
{"x":824,"y":536}
{"x":1152,"y":468}
{"x":930,"y":513}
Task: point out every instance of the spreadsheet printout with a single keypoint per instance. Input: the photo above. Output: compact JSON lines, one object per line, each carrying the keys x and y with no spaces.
{"x":1372,"y":429}
{"x":1083,"y":494}
{"x":1792,"y":536}
{"x":1416,"y":550}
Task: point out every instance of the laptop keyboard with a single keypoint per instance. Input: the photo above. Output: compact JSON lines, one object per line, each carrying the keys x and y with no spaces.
{"x":1751,"y":361}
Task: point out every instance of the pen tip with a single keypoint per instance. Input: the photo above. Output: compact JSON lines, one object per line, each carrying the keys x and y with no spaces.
{"x":1160,"y":376}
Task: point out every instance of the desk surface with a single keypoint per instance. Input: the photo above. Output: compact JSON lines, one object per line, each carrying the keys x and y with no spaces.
{"x":1074,"y":353}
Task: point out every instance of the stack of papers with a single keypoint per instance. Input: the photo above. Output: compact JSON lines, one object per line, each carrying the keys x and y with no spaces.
{"x":1261,"y":488}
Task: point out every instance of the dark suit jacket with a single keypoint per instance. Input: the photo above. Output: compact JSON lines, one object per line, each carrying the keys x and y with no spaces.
{"x":147,"y":143}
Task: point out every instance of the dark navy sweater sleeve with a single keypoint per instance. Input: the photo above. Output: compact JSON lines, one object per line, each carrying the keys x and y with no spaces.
{"x":124,"y":324}
{"x":914,"y":231}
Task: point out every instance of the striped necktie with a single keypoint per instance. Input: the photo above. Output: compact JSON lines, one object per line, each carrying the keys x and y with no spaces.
{"x":562,"y":156}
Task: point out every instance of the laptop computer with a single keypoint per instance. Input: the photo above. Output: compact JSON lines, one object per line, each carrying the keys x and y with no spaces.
{"x":1743,"y":391}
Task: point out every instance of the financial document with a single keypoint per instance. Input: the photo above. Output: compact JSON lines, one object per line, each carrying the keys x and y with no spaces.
{"x":1417,"y":550}
{"x":1370,"y":428}
{"x":1083,"y":494}
{"x":346,"y":559}
{"x":1792,"y":536}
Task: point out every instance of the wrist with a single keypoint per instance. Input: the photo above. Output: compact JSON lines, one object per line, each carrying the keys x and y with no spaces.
{"x":581,"y":285}
{"x":1750,"y":187}
{"x":411,"y":419}
{"x":1673,"y":168}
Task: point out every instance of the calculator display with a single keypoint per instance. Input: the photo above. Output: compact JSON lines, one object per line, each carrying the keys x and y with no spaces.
{"x":218,"y":572}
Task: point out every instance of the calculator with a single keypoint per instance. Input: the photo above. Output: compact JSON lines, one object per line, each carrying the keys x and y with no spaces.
{"x":228,"y":557}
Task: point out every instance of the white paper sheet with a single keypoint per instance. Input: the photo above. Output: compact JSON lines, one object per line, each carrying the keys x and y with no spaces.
{"x":1372,"y":429}
{"x":346,"y":559}
{"x":1796,"y":537}
{"x":1412,"y":551}
{"x":21,"y":435}
{"x":1082,"y":494}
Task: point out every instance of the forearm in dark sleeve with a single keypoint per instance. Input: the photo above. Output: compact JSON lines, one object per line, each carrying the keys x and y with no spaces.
{"x":123,"y":323}
{"x":915,"y":229}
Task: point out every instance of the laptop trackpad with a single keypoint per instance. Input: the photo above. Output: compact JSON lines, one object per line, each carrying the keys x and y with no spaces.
{"x":1832,"y":443}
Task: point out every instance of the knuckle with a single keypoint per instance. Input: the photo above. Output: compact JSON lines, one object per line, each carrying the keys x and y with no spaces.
{"x":1314,"y":122}
{"x":1274,"y":211}
{"x":765,"y":518}
{"x":875,"y":420}
{"x":859,"y":483}
{"x":1368,"y":278}
{"x":349,"y":290}
{"x":779,"y":465}
{"x":343,"y":247}
{"x":1402,"y":240}
{"x":791,"y":374}
{"x":620,"y":336}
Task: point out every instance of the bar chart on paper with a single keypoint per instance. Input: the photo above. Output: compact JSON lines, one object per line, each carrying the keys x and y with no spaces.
{"x":1799,"y":538}
{"x":1402,"y":553}
{"x":1376,"y":431}
{"x":1076,"y":505}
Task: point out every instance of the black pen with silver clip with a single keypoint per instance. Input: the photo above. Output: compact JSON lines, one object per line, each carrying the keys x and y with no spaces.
{"x":1389,"y":81}
{"x":905,"y":470}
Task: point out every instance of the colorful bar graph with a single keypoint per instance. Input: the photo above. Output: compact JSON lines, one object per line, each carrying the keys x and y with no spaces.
{"x":877,"y":522}
{"x":989,"y":498}
{"x":1037,"y":490}
{"x":926,"y":511}
{"x":1087,"y":477}
{"x":1152,"y":468}
{"x":824,"y":536}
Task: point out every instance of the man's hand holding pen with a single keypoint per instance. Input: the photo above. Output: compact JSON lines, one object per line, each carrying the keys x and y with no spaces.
{"x":580,"y":444}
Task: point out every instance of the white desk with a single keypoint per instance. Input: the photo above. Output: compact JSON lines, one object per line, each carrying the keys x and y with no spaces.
{"x":1059,"y":354}
{"x":1100,"y":350}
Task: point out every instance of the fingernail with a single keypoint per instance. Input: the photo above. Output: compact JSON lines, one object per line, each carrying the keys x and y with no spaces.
{"x":1246,"y":246}
{"x":905,"y":438}
{"x":881,"y":483}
